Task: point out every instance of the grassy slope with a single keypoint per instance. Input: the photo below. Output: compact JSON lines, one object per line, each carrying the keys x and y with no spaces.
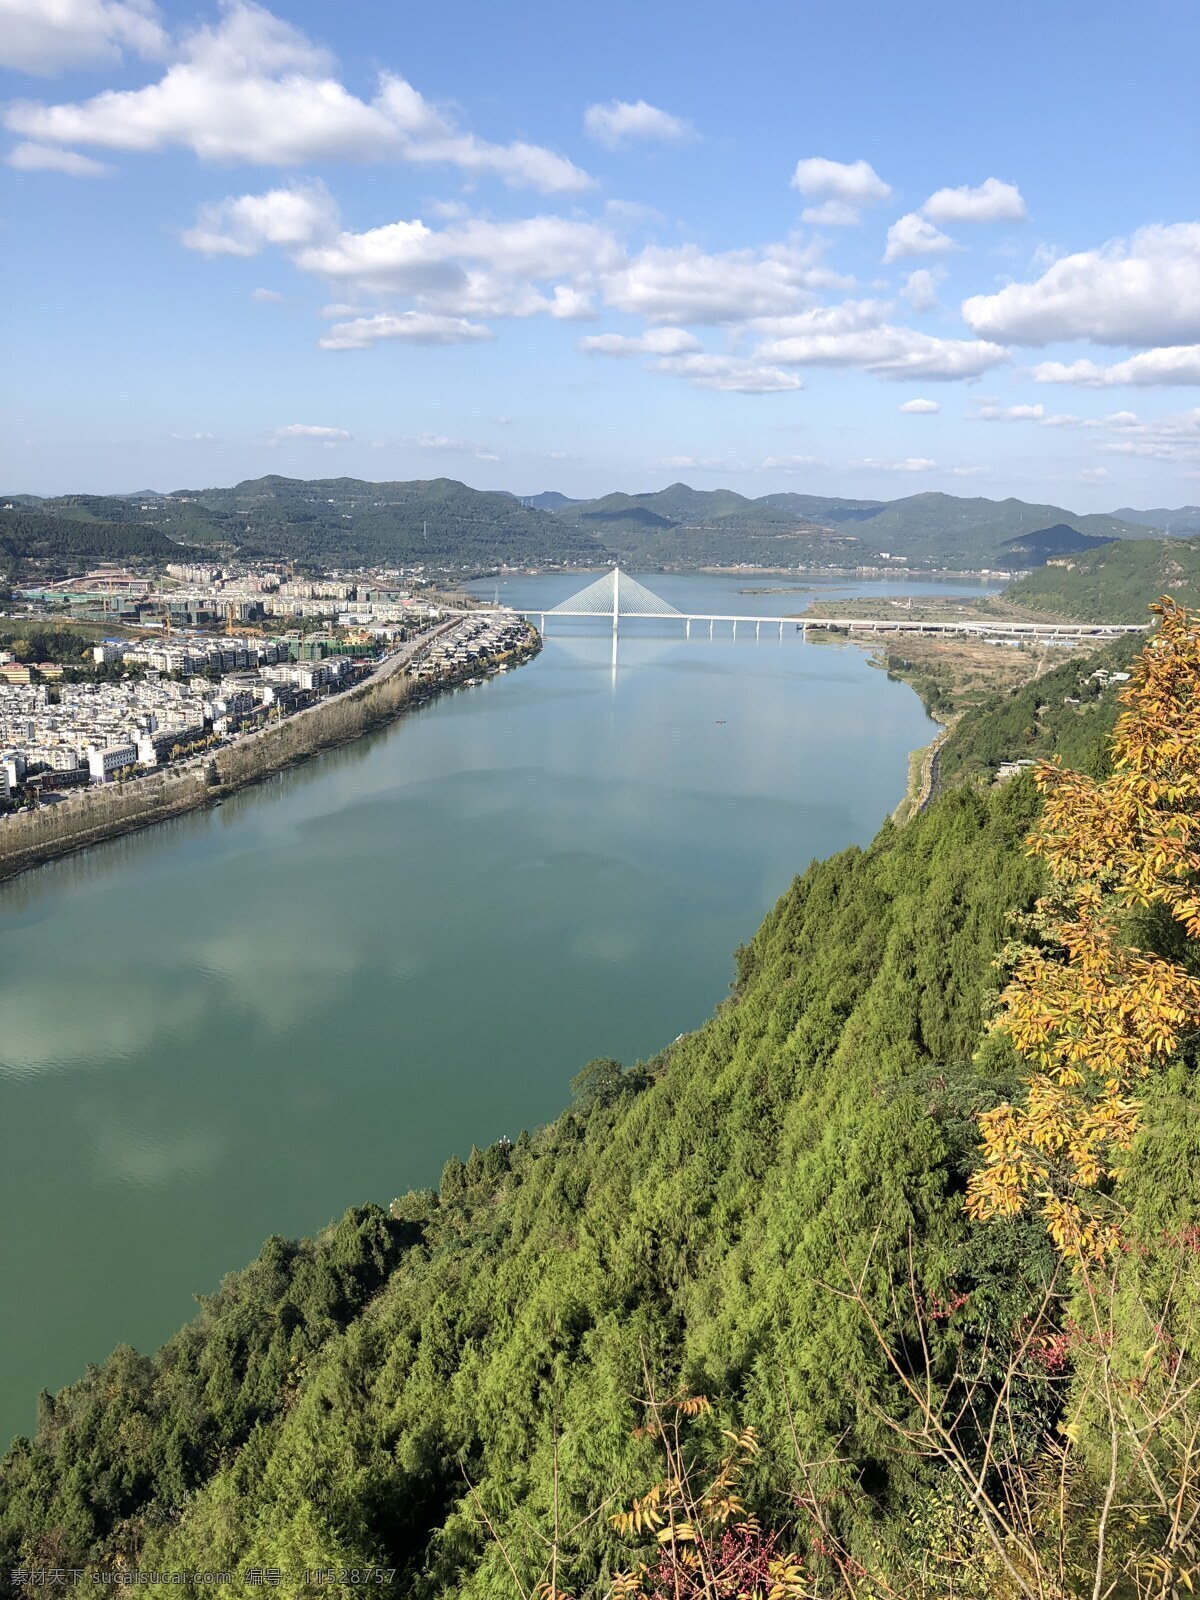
{"x":1111,"y":584}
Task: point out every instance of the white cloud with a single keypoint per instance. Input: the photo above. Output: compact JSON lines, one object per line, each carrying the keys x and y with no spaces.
{"x":911,"y":235}
{"x":440,"y":442}
{"x":849,"y":316}
{"x":909,"y":464}
{"x":684,"y":284}
{"x":887,"y":351}
{"x":47,"y":36}
{"x":1093,"y":475}
{"x":1175,"y":437}
{"x":992,"y":201}
{"x":618,"y":123}
{"x":473,"y":267}
{"x":920,"y":288}
{"x":243,"y":224}
{"x":792,"y":463}
{"x":194,"y":438}
{"x":1144,"y":290}
{"x":843,"y":187}
{"x":655,"y":341}
{"x":997,"y":413}
{"x":571,"y":305}
{"x":728,"y":373}
{"x":404,"y":327}
{"x":832,"y":214}
{"x":267,"y":297}
{"x":475,"y":263}
{"x":697,"y":464}
{"x":1169,"y":365}
{"x":311,"y":430}
{"x":30,"y":157}
{"x":919,"y":408}
{"x":253,"y":88}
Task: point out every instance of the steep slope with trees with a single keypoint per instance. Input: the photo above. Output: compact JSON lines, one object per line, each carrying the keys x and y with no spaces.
{"x":1111,"y":584}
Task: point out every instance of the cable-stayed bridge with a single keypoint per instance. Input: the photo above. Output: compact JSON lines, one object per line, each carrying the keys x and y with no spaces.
{"x":617,"y":595}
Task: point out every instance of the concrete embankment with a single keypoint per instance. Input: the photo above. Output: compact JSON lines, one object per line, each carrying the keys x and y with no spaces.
{"x":91,"y":815}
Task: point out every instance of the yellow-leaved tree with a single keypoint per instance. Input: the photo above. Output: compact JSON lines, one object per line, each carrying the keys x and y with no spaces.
{"x":1091,"y":1014}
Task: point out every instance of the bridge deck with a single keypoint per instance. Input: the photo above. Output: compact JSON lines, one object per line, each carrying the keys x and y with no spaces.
{"x":1060,"y":630}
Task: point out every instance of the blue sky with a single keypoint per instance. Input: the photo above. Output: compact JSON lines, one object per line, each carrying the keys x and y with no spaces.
{"x":856,"y":249}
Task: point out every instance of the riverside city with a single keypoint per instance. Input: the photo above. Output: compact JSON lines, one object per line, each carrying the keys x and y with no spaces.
{"x":140,"y":703}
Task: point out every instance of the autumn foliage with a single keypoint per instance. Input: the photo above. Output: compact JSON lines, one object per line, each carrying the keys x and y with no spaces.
{"x":1090,"y":1013}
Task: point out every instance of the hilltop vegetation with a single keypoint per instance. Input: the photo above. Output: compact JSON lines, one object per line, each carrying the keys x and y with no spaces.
{"x":1110,"y":584}
{"x":368,"y":1396}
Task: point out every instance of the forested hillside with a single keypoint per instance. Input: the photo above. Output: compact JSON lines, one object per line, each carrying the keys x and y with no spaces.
{"x":438,"y":522}
{"x":770,"y":1214}
{"x":34,"y":538}
{"x":1110,"y":584}
{"x":317,"y":523}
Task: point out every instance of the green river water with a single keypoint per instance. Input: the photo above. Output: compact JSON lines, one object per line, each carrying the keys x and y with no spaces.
{"x":243,"y":1021}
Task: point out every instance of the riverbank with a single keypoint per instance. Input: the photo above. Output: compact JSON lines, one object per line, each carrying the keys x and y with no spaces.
{"x":91,"y":816}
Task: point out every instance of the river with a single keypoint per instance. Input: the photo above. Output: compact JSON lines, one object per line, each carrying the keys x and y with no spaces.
{"x":242,"y":1021}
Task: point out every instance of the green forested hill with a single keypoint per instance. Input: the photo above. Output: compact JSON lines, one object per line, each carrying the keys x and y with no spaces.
{"x":355,"y":1399}
{"x":333,"y":522}
{"x":33,"y":536}
{"x":944,"y":528}
{"x":1111,"y":584}
{"x":350,"y":522}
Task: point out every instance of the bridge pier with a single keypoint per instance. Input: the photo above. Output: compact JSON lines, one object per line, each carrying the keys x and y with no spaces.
{"x":735,"y":627}
{"x":710,"y":627}
{"x":757,"y":631}
{"x":687,"y":633}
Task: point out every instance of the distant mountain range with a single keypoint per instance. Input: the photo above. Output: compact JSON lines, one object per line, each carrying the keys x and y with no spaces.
{"x":1182,"y":521}
{"x":447,"y":526}
{"x":684,"y":526}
